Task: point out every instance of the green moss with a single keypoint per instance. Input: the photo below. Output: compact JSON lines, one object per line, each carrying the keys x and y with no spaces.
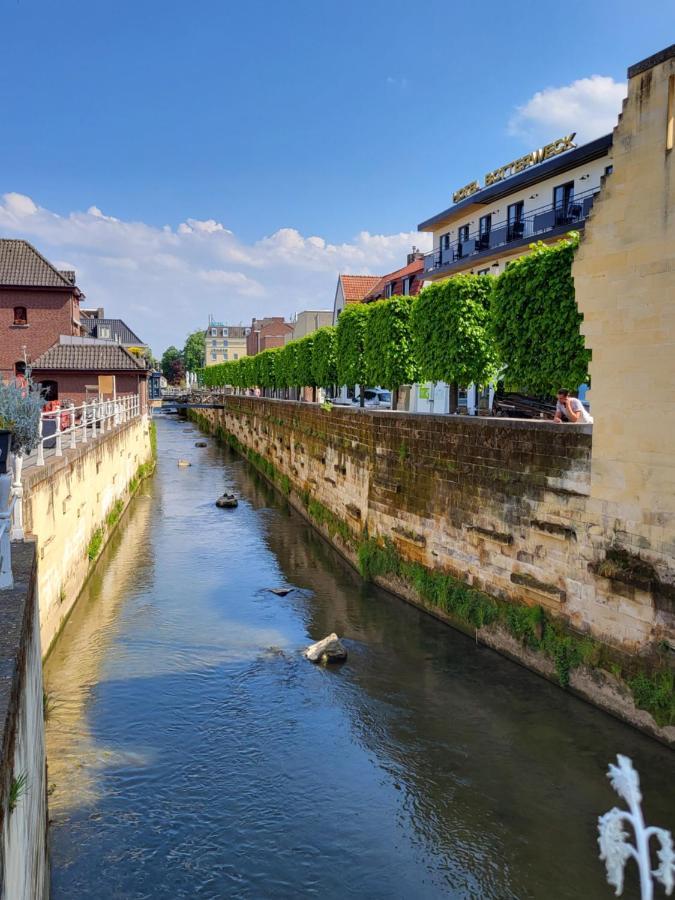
{"x":153,"y":439}
{"x":113,"y":516}
{"x":528,"y":624}
{"x":328,"y":520}
{"x":95,"y":544}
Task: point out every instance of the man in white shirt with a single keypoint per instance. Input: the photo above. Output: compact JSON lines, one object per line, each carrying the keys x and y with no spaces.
{"x":570,"y":409}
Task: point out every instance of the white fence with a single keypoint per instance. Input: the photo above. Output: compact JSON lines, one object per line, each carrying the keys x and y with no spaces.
{"x":60,"y":429}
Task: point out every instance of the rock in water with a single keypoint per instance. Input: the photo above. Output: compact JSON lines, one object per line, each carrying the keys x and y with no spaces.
{"x":329,"y":650}
{"x":201,"y":444}
{"x":184,"y":463}
{"x":280,"y":592}
{"x":227,"y":501}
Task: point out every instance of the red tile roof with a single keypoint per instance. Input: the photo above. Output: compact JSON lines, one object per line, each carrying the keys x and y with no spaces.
{"x":414,"y":268}
{"x":355,"y":287}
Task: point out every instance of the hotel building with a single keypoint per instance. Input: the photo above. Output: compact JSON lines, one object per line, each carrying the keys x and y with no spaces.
{"x":538,"y":197}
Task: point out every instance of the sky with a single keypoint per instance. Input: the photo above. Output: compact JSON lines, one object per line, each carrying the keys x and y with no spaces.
{"x":233,"y":158}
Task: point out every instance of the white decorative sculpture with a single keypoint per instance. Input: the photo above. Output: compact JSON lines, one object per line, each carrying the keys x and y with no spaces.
{"x":615,"y":849}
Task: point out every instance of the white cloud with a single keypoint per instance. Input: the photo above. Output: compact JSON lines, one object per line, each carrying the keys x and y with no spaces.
{"x":589,"y":106}
{"x":164,"y":281}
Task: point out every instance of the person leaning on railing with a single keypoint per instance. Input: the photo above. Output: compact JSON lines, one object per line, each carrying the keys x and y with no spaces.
{"x":571,"y":410}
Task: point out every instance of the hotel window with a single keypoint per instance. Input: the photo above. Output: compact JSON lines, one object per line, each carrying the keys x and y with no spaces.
{"x":484,"y":229}
{"x":563,"y":195}
{"x":235,"y":356}
{"x":214,"y":343}
{"x":445,"y":241}
{"x":20,"y":315}
{"x":104,"y":332}
{"x":515,"y":224}
{"x":463,"y":233}
{"x":225,"y":332}
{"x":214,"y":332}
{"x":213,"y":354}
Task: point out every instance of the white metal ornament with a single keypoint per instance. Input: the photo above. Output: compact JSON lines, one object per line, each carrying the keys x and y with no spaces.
{"x":615,"y":848}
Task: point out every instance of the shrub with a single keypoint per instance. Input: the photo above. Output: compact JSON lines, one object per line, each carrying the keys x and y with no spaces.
{"x":351,"y":335}
{"x":388,"y":344}
{"x":324,"y":357}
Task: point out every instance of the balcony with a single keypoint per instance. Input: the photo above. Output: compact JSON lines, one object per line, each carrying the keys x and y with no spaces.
{"x":546,"y":221}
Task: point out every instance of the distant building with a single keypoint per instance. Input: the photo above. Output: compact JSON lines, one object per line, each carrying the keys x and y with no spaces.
{"x":38,"y":303}
{"x":94,"y":324}
{"x":309,"y":320}
{"x":352,"y":289}
{"x":406,"y":281}
{"x":224,"y":342}
{"x":267,"y":333}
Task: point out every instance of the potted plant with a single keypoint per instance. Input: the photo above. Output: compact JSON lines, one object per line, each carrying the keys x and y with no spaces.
{"x":20,"y":408}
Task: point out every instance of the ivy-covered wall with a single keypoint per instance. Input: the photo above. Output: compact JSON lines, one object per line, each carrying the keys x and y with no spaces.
{"x":480,"y":521}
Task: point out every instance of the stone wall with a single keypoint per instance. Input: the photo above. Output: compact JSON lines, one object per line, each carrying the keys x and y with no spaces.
{"x":70,"y":499}
{"x":624,"y":276}
{"x":24,"y":871}
{"x":500,"y":505}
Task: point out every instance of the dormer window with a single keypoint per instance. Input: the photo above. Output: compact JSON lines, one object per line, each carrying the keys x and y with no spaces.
{"x":20,"y":315}
{"x":104,"y":332}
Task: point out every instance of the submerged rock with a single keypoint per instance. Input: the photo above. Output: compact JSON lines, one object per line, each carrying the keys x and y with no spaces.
{"x":184,"y":463}
{"x":227,"y":501}
{"x":329,"y":650}
{"x":201,"y":444}
{"x":280,"y":592}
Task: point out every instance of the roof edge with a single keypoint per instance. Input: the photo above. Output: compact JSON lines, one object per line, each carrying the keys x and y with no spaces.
{"x":651,"y":61}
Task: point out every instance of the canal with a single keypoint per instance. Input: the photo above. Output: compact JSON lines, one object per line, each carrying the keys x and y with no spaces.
{"x":194,"y":753}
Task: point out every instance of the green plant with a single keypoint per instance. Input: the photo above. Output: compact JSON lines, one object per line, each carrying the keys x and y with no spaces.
{"x":324,"y":356}
{"x":535,"y":320}
{"x":20,"y":408}
{"x":451,"y":331}
{"x":655,"y":694}
{"x":153,"y":439}
{"x":113,"y":516}
{"x":17,"y":790}
{"x":351,"y":336}
{"x":95,"y":544}
{"x":388,"y":344}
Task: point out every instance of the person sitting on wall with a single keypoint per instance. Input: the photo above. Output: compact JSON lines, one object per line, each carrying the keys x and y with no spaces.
{"x":570,"y":409}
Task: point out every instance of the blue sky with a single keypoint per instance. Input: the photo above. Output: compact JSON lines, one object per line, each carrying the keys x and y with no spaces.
{"x":275,"y":126}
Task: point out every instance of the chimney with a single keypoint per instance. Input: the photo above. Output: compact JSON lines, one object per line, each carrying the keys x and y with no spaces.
{"x":415,"y":255}
{"x":100,"y":313}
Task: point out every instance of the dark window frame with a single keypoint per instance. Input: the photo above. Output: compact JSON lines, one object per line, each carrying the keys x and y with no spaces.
{"x":19,"y":319}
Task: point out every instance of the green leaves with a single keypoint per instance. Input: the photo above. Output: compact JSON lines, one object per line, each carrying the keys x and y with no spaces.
{"x":535,"y":320}
{"x":388,"y":345}
{"x":451,"y":329}
{"x":461,"y":331}
{"x":351,"y":337}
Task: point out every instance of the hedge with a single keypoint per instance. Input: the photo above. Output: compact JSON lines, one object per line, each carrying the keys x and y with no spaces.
{"x":388,"y":345}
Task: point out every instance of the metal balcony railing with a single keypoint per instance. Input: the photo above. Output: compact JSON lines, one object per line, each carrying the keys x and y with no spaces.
{"x":534,"y":226}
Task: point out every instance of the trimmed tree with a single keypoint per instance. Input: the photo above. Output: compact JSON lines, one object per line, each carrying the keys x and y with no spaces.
{"x":193,"y":351}
{"x":324,"y":356}
{"x":453,"y":340}
{"x":351,"y":337}
{"x":536,"y":321}
{"x":304,"y":351}
{"x":388,"y":347}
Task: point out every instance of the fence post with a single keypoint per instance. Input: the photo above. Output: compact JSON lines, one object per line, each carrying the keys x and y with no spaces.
{"x":84,"y":424}
{"x":6,"y":580}
{"x":17,"y":491}
{"x":40,"y":447}
{"x":59,"y":449}
{"x":73,"y":436}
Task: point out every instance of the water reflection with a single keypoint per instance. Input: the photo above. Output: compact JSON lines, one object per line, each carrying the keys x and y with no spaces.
{"x":196,"y":754}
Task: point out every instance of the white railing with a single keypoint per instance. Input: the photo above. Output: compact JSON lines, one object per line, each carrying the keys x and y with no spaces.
{"x":63,"y":428}
{"x":8,"y":504}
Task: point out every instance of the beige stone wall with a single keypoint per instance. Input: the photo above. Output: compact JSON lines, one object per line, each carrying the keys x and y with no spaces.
{"x":502,"y":504}
{"x":65,"y":501}
{"x":624,"y":276}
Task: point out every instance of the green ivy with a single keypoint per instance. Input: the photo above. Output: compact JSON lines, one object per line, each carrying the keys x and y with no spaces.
{"x":388,"y":345}
{"x":535,"y":321}
{"x":451,"y":328}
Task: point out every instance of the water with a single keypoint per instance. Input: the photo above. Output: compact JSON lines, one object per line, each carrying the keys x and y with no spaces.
{"x":194,"y":753}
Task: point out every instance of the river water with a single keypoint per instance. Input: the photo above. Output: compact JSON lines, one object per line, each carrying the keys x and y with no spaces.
{"x":194,"y":753}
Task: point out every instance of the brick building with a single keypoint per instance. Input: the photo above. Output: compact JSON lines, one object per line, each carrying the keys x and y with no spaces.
{"x":352,"y":289}
{"x":267,"y":333}
{"x":83,"y":368}
{"x":38,"y":303}
{"x":403,"y":282}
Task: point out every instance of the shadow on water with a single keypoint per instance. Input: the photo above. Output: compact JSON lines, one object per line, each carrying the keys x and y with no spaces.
{"x":194,"y":753}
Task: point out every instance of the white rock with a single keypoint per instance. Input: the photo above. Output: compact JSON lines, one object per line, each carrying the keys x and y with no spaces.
{"x":183,"y":463}
{"x":329,"y":650}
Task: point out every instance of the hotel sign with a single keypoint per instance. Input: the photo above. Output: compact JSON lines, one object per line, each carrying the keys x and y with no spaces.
{"x":517,"y":165}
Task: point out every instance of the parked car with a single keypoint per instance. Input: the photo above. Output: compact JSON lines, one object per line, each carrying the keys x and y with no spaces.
{"x":375,"y":397}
